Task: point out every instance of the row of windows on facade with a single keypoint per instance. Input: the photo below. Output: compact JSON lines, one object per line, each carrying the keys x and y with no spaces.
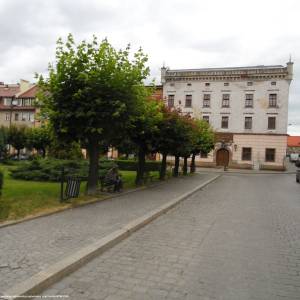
{"x":249,"y":83}
{"x":247,"y":124}
{"x":269,"y":154}
{"x":24,"y":116}
{"x":20,"y":101}
{"x":247,"y":154}
{"x":225,"y":100}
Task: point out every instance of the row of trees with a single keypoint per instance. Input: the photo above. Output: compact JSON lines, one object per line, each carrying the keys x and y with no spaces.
{"x":95,"y":95}
{"x":20,"y":137}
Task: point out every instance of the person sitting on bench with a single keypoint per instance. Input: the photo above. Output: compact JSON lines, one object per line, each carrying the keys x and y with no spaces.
{"x":113,"y":177}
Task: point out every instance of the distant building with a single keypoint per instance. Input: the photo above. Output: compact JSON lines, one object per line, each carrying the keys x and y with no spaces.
{"x":293,"y":144}
{"x":17,"y":104}
{"x":246,"y":106}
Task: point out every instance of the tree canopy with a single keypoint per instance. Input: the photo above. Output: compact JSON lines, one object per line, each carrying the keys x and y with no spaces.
{"x":92,"y":94}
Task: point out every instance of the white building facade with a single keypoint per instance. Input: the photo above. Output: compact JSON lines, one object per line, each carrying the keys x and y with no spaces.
{"x":246,"y":106}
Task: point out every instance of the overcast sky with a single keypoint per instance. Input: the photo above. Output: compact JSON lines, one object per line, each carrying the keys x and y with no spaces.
{"x":181,"y":33}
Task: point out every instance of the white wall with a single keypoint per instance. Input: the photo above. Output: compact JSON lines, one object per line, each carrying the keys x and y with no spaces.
{"x":237,"y":110}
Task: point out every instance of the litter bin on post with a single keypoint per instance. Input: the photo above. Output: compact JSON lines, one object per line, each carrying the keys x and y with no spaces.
{"x":72,"y":188}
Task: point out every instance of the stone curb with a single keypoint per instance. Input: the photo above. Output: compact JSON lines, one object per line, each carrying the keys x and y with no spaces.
{"x":246,"y":173}
{"x":42,"y":280}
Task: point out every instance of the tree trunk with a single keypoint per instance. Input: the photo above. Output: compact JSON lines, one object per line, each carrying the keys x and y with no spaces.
{"x":176,"y":167}
{"x":163,"y":167}
{"x":141,"y":166}
{"x":193,"y":166}
{"x":185,"y":166}
{"x":18,"y":153}
{"x":93,"y":169}
{"x":43,"y":152}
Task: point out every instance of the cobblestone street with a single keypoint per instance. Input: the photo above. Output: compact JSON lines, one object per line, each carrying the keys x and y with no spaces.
{"x":29,"y":247}
{"x":238,"y":238}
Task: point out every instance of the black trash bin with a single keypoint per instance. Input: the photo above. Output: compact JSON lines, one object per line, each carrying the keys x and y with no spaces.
{"x":73,"y":187}
{"x":298,"y":176}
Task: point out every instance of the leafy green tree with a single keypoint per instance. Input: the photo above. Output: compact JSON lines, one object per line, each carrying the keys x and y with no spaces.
{"x":144,"y":131}
{"x":3,"y":141}
{"x":17,"y":137}
{"x":184,"y":133}
{"x":204,"y":141}
{"x":167,"y":140}
{"x":39,"y":138}
{"x":91,"y":95}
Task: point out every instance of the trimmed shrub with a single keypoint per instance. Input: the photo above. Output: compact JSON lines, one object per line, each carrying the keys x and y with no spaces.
{"x":131,"y":165}
{"x":50,"y":169}
{"x":4,"y":207}
{"x":1,"y":181}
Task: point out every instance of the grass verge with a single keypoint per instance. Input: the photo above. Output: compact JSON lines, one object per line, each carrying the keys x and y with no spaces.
{"x":29,"y":198}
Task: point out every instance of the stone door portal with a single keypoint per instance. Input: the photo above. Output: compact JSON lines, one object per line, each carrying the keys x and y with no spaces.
{"x":222,"y":158}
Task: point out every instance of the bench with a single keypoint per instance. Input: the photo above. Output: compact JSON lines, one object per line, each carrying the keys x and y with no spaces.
{"x":148,"y":176}
{"x":105,"y":185}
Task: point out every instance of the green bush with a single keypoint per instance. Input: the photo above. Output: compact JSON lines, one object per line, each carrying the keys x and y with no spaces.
{"x":131,"y":165}
{"x":51,"y":169}
{"x":1,"y":181}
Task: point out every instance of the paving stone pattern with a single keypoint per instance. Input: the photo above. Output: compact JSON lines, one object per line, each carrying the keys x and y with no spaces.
{"x":29,"y":247}
{"x":239,"y":239}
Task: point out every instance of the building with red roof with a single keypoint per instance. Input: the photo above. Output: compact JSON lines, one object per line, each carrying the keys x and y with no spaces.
{"x":293,"y":144}
{"x":17,"y":104}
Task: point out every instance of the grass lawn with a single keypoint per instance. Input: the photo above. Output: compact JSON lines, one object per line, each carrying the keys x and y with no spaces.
{"x":32,"y":197}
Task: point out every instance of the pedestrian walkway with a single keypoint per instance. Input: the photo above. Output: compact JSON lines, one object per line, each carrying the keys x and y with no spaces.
{"x":290,"y":169}
{"x":237,"y":239}
{"x":29,"y":247}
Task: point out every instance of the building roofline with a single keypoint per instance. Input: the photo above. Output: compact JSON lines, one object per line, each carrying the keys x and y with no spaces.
{"x":229,"y":68}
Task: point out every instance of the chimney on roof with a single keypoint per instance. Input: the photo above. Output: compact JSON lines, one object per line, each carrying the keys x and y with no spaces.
{"x":24,"y":85}
{"x":289,"y":66}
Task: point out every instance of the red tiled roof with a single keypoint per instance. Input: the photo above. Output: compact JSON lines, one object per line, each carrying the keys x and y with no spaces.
{"x":30,"y":93}
{"x":293,"y":141}
{"x":9,"y":91}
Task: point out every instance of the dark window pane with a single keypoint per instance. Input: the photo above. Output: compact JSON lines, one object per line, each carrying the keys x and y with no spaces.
{"x":188,"y":100}
{"x":206,"y":100}
{"x":246,"y":153}
{"x":224,"y":123}
{"x":270,"y":155}
{"x":271,"y":122}
{"x":273,"y":100}
{"x":170,"y":100}
{"x":248,"y":122}
{"x":249,"y":100}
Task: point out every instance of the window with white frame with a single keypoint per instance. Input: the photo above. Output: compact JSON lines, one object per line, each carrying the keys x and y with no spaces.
{"x":206,"y":100}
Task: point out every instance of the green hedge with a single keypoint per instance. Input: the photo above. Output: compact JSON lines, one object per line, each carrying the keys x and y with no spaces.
{"x":50,"y":169}
{"x":4,"y":207}
{"x":131,"y":165}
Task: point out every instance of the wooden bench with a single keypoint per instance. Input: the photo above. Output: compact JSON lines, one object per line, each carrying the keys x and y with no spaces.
{"x":148,"y":176}
{"x":105,"y":185}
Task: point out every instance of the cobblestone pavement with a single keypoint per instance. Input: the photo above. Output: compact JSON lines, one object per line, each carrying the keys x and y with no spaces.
{"x":29,"y":247}
{"x":239,"y":239}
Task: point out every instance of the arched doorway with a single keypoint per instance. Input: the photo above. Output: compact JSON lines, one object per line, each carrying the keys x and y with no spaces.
{"x":222,"y":157}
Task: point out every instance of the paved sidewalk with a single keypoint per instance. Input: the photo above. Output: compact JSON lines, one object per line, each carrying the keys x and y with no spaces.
{"x":290,"y":169}
{"x":29,"y":247}
{"x":237,"y":239}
